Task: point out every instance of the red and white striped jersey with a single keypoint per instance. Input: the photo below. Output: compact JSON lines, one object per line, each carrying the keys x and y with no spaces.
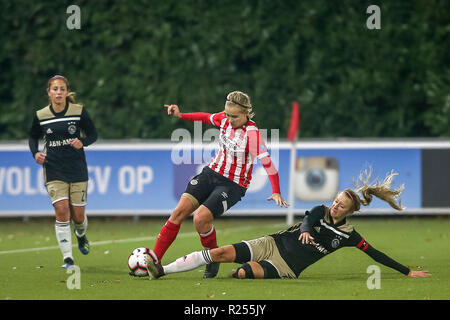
{"x":237,"y":149}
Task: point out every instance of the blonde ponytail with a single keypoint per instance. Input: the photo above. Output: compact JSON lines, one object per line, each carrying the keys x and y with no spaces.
{"x":71,"y":97}
{"x":382,"y":190}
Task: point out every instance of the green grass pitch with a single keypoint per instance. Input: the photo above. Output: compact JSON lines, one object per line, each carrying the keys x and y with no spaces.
{"x":30,"y":263}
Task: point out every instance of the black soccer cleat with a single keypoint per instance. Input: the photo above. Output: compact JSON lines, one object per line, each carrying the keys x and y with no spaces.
{"x":211,"y":270}
{"x":234,"y":274}
{"x":68,"y":263}
{"x":83,"y":244}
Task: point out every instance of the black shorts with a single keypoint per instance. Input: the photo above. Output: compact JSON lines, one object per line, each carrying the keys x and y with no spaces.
{"x":214,"y":191}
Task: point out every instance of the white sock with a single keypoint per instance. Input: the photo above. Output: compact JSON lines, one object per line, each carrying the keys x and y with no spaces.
{"x":80,"y":229}
{"x":190,"y":262}
{"x":64,"y":237}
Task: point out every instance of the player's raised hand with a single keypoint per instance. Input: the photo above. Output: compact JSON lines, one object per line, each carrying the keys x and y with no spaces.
{"x":278,"y":200}
{"x":173,"y":110}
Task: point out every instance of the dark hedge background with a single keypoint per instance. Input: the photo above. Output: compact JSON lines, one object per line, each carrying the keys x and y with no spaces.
{"x":131,"y":57}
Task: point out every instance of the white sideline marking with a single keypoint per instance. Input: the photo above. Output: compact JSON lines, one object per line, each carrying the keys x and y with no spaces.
{"x":96,"y":243}
{"x":99,"y":243}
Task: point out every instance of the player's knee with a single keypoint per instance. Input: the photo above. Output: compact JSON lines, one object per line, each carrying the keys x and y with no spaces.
{"x":77,"y":214}
{"x":179,"y":214}
{"x":62,"y":205}
{"x":62,"y":211}
{"x":197,"y":219}
{"x":202,"y":221}
{"x":202,"y":226}
{"x":245,"y":272}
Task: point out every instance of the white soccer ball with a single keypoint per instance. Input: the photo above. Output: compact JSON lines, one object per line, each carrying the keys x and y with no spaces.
{"x":136,"y":262}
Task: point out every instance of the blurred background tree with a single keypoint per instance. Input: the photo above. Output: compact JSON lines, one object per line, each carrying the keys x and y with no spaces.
{"x":131,"y":57}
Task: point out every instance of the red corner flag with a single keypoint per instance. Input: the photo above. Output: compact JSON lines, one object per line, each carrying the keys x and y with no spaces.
{"x":293,"y":127}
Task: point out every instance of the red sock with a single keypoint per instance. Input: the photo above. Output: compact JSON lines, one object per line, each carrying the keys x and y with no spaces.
{"x":209,"y":240}
{"x":166,"y":236}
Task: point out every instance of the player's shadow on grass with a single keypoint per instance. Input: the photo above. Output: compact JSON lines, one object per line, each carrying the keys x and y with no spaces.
{"x":333,"y":277}
{"x":346,"y":277}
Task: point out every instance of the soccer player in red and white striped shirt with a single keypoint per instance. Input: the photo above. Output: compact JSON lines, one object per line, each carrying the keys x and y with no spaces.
{"x":223,"y":182}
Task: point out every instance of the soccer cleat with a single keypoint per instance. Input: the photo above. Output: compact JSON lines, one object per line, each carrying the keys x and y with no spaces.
{"x":211,"y":270}
{"x":234,"y":274}
{"x":153,"y":255}
{"x":83,"y":244}
{"x":154,"y":268}
{"x":68,"y":263}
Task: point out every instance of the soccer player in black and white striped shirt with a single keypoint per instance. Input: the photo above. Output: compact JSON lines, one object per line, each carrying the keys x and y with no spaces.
{"x":66,"y":128}
{"x":287,"y":253}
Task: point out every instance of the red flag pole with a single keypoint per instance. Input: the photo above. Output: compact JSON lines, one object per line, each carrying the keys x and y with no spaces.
{"x":293,"y":127}
{"x":292,"y":136}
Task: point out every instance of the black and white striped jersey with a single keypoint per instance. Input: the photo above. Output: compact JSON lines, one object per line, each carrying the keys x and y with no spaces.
{"x":63,"y":162}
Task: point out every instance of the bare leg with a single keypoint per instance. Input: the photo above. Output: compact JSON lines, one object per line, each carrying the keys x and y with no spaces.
{"x":200,"y":258}
{"x":77,"y":213}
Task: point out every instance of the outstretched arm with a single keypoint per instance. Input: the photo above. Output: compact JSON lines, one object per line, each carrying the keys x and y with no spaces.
{"x":209,"y":118}
{"x":258,"y":149}
{"x":382,"y":258}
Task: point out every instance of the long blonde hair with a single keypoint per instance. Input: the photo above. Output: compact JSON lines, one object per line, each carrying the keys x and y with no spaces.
{"x":241,"y":100}
{"x":381,"y":190}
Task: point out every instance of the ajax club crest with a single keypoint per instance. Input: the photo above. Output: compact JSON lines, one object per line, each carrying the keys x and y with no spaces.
{"x":72,"y":128}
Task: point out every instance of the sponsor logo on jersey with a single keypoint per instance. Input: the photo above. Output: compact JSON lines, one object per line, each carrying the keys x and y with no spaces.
{"x":321,"y":248}
{"x":59,"y":143}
